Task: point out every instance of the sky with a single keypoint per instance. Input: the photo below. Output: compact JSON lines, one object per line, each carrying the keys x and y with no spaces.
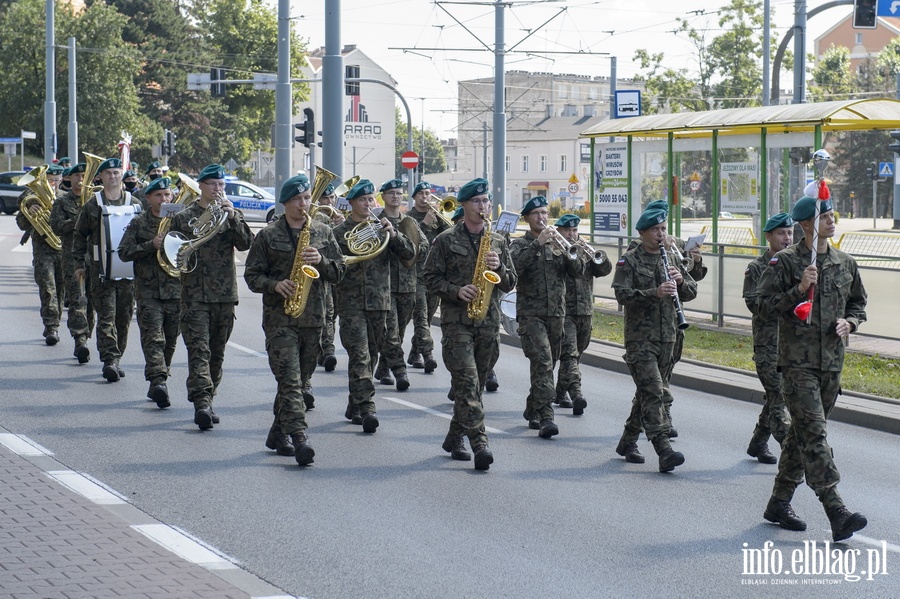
{"x":428,"y":78}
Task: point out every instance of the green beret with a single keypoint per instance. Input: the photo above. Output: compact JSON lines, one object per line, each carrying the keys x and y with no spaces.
{"x":158,"y":184}
{"x":422,"y":185}
{"x":535,"y":202}
{"x":364,"y":187}
{"x":108,"y":164}
{"x":778,"y":221}
{"x":212,"y":171}
{"x":658,"y":205}
{"x":129,"y":173}
{"x":392,"y":184}
{"x":651,"y":218}
{"x":293,"y":186}
{"x":457,"y":214}
{"x":475,"y":187}
{"x":54,"y":169}
{"x":78,"y":168}
{"x":153,"y":165}
{"x":66,"y":172}
{"x":329,"y":190}
{"x":66,"y":161}
{"x":567,"y":220}
{"x":805,"y":208}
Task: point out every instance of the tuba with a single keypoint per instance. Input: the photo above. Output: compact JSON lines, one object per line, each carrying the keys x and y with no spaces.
{"x":302,"y":274}
{"x":42,"y":193}
{"x":366,"y":240}
{"x":179,"y":250}
{"x":323,"y":178}
{"x":189,"y":192}
{"x":91,"y":164}
{"x":483,"y":278}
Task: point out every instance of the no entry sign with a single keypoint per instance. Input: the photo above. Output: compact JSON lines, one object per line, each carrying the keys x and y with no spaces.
{"x":409,"y":159}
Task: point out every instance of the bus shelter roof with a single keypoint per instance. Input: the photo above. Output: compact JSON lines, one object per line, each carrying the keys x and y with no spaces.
{"x":844,"y":115}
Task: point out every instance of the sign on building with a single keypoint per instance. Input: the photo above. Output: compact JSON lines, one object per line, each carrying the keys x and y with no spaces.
{"x":610,"y":210}
{"x":740,"y":186}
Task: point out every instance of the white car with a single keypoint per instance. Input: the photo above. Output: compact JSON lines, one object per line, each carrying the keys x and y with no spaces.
{"x":257,"y":204}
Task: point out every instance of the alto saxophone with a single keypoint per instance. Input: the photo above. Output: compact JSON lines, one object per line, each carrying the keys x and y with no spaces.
{"x":302,"y":274}
{"x":483,"y":278}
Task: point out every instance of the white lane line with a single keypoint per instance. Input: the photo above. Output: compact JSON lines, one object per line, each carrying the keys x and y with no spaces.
{"x":22,"y":445}
{"x":247,"y":350}
{"x":416,"y":406}
{"x":87,"y":487}
{"x":185,"y":546}
{"x":876,"y":542}
{"x":22,"y":248}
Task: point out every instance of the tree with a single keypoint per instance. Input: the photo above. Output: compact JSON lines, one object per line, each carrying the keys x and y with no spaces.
{"x":435,"y":161}
{"x":832,"y":77}
{"x":666,"y":88}
{"x":735,"y":55}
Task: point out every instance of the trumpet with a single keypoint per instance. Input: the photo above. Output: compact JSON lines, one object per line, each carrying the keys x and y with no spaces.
{"x":561,"y":245}
{"x":598,"y":256}
{"x":686,"y":262}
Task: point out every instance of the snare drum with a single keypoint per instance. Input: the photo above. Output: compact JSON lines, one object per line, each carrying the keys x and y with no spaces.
{"x":508,"y":313}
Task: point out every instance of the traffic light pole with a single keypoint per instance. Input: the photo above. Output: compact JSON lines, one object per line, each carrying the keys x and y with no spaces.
{"x":283,"y":101}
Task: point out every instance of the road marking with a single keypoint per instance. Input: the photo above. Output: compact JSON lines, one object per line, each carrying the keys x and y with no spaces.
{"x":87,"y":487}
{"x":22,"y":445}
{"x":876,"y":543}
{"x":247,"y":350}
{"x":185,"y":546}
{"x":416,"y":406}
{"x":22,"y":248}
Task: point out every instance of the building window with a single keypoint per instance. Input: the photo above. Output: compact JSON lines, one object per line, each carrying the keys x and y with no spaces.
{"x":563,"y":90}
{"x":593,"y":93}
{"x":543,"y":163}
{"x":570,"y":110}
{"x":859,"y":38}
{"x":563,"y":163}
{"x":507,"y":164}
{"x":525,"y":163}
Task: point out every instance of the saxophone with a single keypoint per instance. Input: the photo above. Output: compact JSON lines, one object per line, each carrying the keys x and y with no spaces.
{"x":483,"y":278}
{"x":302,"y":274}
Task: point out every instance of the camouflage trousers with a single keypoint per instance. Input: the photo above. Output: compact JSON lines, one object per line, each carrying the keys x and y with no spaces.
{"x":114,"y":302}
{"x":647,"y":361}
{"x":48,"y":275}
{"x":158,"y":321}
{"x":774,"y":419}
{"x":469,"y":352}
{"x":292,"y":358}
{"x":403,"y":306}
{"x":542,"y":338}
{"x":577,"y":339}
{"x":327,"y":341}
{"x":80,"y":319}
{"x":810,"y":396}
{"x":205,"y":329}
{"x":362,"y":333}
{"x":426,"y":307}
{"x":677,"y":349}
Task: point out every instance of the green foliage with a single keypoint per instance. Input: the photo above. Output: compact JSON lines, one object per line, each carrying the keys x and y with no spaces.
{"x":435,"y":161}
{"x":832,"y":76}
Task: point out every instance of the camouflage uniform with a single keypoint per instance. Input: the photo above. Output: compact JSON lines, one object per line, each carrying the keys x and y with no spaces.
{"x":113,"y":300}
{"x":773,"y":418}
{"x":363,"y":300}
{"x":209,"y":294}
{"x":47,"y":264}
{"x":158,"y":297}
{"x":426,"y":303}
{"x":80,"y":320}
{"x":810,"y":357}
{"x":328,"y":292}
{"x":292,"y":343}
{"x":541,"y":313}
{"x":650,"y":334}
{"x":470,"y":348}
{"x":578,"y":323}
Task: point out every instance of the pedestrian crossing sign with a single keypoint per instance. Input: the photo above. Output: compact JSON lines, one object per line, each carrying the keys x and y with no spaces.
{"x":885,"y":169}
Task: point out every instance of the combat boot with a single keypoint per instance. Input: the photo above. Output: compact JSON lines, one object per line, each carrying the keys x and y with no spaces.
{"x":383,"y":375}
{"x":203,"y":418}
{"x":370,"y":423}
{"x":548,"y":428}
{"x":456,"y":447}
{"x":309,"y":400}
{"x":51,"y":337}
{"x":82,"y":353}
{"x":111,"y":372}
{"x":844,"y":523}
{"x":669,"y":458}
{"x":629,"y":451}
{"x":215,"y":417}
{"x":330,"y":361}
{"x":760,"y":451}
{"x":415,"y":359}
{"x":279,"y":441}
{"x":352,"y":414}
{"x":160,"y":394}
{"x":491,"y":383}
{"x":579,"y":403}
{"x":430,"y":362}
{"x":781,"y":513}
{"x":303,"y":452}
{"x":483,"y":456}
{"x":673,"y":432}
{"x":562,"y":398}
{"x":402,"y":382}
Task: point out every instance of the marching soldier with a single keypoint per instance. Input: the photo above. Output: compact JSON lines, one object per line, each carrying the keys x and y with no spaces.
{"x":46,"y":259}
{"x":326,"y":355}
{"x":209,"y":292}
{"x":292,"y":342}
{"x":421,"y":353}
{"x":112,"y":287}
{"x":579,"y":316}
{"x":157,"y":293}
{"x":810,"y":357}
{"x":363,"y":300}
{"x":80,"y":318}
{"x":646,"y":291}
{"x":154,"y":171}
{"x":774,"y":419}
{"x":470,"y":347}
{"x":541,"y":308}
{"x":66,"y":164}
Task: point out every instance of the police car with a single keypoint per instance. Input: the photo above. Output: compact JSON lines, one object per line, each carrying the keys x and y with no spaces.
{"x":257,"y":204}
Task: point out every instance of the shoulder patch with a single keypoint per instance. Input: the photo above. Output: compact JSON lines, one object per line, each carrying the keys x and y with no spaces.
{"x":773,"y":261}
{"x":621,"y":262}
{"x":747,"y":272}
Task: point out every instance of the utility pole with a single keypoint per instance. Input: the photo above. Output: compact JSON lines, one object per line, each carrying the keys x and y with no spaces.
{"x":499,"y":178}
{"x":766,"y":50}
{"x":73,"y":104}
{"x":50,"y":93}
{"x":333,"y":91}
{"x":283,"y":101}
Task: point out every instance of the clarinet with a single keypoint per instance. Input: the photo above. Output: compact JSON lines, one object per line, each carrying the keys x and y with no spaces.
{"x":682,"y":323}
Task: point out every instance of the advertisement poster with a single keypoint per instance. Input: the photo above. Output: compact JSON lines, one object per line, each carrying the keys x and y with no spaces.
{"x":611,"y":189}
{"x":740,"y":187}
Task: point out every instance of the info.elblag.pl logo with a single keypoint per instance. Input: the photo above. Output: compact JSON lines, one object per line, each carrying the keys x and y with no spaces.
{"x":815,"y":563}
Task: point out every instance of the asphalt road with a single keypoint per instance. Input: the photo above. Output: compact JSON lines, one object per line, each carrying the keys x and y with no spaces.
{"x":390,"y":515}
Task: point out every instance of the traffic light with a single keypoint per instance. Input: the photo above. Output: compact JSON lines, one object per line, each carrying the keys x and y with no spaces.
{"x":895,"y":147}
{"x":170,"y":143}
{"x":216,"y":88}
{"x":800,"y":155}
{"x":307,"y":129}
{"x":872,"y":171}
{"x":864,"y":14}
{"x":351,"y":88}
{"x":164,"y":146}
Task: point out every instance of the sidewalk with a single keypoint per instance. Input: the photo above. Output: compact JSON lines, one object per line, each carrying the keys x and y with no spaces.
{"x":64,"y":536}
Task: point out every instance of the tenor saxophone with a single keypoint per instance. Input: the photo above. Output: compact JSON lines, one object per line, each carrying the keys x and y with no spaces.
{"x":302,"y":274}
{"x":483,"y":279}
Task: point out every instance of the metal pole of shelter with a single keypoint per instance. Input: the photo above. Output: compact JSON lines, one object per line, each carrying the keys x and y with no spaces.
{"x":716,"y":185}
{"x":73,"y":104}
{"x":499,"y":149}
{"x":591,"y":191}
{"x":764,"y":178}
{"x":629,"y":209}
{"x":50,"y":93}
{"x":283,"y":101}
